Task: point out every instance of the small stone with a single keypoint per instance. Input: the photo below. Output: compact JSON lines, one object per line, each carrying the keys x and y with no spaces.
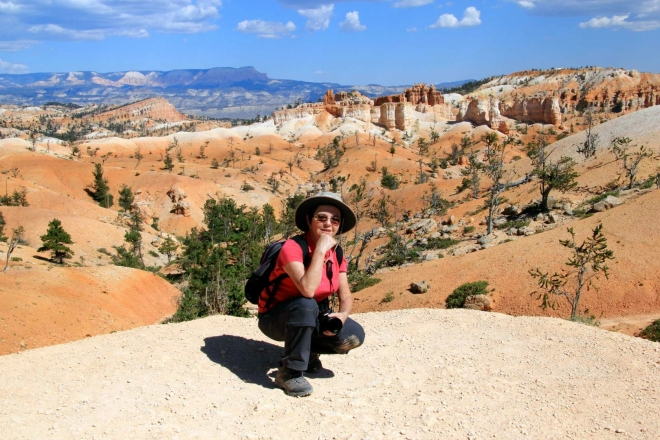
{"x":499,"y":222}
{"x":477,"y":302}
{"x":420,"y":287}
{"x":511,"y":210}
{"x":484,"y":240}
{"x":608,"y":203}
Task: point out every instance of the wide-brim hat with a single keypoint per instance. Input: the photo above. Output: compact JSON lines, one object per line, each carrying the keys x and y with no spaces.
{"x":348,"y":218}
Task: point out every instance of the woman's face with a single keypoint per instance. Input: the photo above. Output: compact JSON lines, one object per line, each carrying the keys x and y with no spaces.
{"x":325,"y":220}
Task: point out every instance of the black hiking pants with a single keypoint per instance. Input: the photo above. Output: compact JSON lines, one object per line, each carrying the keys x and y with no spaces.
{"x":295,"y":322}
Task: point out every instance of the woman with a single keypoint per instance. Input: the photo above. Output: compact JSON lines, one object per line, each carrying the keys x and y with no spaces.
{"x":292,"y":314}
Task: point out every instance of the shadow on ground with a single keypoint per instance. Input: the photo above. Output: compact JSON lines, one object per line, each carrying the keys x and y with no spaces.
{"x":249,"y":359}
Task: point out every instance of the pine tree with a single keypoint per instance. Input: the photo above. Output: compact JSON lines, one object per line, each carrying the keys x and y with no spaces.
{"x":168,"y":248}
{"x":126,"y":198}
{"x":558,"y":175}
{"x":55,"y":240}
{"x":133,"y":235}
{"x":494,"y":168}
{"x":586,"y":262}
{"x":131,"y":257}
{"x":100,"y":191}
{"x":216,"y":274}
{"x":169,"y":164}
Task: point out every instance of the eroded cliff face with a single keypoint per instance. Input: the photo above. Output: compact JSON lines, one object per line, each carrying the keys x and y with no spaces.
{"x":153,"y":108}
{"x":388,"y":115}
{"x":484,"y":111}
{"x":342,"y":105}
{"x":417,"y":94}
{"x":444,"y":111}
{"x":548,"y":96}
{"x":302,"y":111}
{"x":544,"y":110}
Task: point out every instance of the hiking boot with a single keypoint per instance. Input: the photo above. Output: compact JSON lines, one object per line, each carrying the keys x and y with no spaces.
{"x":293,"y":383}
{"x":314,"y":365}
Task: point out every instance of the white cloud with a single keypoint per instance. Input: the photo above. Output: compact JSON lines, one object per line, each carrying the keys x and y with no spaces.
{"x":411,"y":3}
{"x":620,"y":22}
{"x":7,"y":67}
{"x":412,"y":29}
{"x":471,"y":17}
{"x":99,"y":19}
{"x":318,"y":19}
{"x":634,"y":15}
{"x":527,"y":4}
{"x":9,"y":7}
{"x":73,"y":34}
{"x":312,"y":4}
{"x":602,"y":22}
{"x":352,"y":23}
{"x":17,"y":45}
{"x":266,"y":29}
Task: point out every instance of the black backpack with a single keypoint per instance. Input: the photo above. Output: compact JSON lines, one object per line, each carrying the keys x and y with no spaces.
{"x":259,"y":283}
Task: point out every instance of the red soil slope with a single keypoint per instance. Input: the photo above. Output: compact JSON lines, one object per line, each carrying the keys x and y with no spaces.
{"x":44,"y":305}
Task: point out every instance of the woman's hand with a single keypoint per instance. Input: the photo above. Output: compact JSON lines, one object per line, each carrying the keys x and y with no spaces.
{"x":325,"y":243}
{"x":339,"y":315}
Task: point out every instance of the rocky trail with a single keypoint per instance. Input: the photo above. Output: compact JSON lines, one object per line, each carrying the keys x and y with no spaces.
{"x":421,"y":374}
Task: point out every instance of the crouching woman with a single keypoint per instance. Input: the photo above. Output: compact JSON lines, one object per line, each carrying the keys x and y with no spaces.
{"x":298,"y":313}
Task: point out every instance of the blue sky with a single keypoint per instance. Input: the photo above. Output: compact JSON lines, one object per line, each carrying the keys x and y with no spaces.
{"x":389,"y":42}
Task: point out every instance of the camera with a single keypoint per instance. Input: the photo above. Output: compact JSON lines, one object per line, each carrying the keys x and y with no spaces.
{"x":326,"y":323}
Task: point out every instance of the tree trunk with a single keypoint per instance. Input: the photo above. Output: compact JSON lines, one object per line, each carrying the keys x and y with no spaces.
{"x":544,"y":199}
{"x":492,"y":206}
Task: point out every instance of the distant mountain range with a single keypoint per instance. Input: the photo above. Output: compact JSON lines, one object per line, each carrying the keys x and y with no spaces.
{"x":220,"y":92}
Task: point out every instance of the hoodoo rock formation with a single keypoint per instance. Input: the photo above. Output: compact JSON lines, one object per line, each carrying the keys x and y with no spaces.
{"x":342,"y":105}
{"x":545,"y":96}
{"x":417,"y":94}
{"x":393,"y":112}
{"x":421,"y":98}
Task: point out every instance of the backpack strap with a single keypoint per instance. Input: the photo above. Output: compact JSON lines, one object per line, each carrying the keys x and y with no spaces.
{"x":277,"y":281}
{"x":340,"y":255}
{"x":300,"y":239}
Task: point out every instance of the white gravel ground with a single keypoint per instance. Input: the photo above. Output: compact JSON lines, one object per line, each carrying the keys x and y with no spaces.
{"x":422,"y":374}
{"x":643,"y":127}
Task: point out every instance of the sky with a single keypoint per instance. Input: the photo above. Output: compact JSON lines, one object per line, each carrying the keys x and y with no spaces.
{"x":387,"y":42}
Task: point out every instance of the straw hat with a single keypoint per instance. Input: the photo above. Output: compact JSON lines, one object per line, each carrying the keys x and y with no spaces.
{"x":307,"y":206}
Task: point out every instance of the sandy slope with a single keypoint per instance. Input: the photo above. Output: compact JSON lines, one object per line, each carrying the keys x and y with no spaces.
{"x":421,"y":374}
{"x":633,"y":287}
{"x":42,"y":304}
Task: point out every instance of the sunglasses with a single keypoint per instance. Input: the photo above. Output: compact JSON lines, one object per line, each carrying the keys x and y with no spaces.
{"x":324,"y":218}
